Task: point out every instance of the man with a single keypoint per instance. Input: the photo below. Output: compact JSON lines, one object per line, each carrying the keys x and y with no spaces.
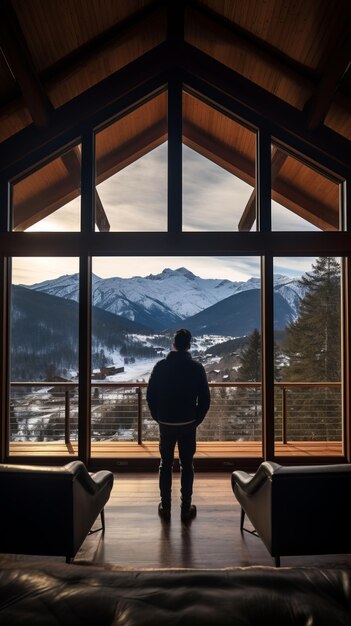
{"x":178,"y":397}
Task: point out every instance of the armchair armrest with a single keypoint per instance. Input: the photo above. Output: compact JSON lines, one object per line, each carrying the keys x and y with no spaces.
{"x":250,"y":484}
{"x":91,"y":482}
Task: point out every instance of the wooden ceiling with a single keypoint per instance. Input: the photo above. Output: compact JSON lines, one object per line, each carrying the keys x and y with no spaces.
{"x":53,"y":51}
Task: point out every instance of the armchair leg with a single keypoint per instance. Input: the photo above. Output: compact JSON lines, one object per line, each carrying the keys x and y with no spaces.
{"x":277,"y":561}
{"x":242,"y":518}
{"x":69,"y":559}
{"x":102,"y":515}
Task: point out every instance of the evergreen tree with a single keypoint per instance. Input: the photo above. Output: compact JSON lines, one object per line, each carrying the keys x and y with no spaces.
{"x":250,"y":369}
{"x":312,"y":346}
{"x":313,"y":340}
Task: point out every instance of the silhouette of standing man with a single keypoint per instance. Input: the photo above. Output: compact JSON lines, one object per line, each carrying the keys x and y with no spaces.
{"x":178,"y":397}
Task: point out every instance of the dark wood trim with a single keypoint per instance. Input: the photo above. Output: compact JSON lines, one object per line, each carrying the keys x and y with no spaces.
{"x":85,"y":326}
{"x":5,"y":193}
{"x":345,"y":202}
{"x":346,"y":356}
{"x":4,"y":325}
{"x":267,"y":334}
{"x":88,"y":195}
{"x":4,"y":359}
{"x":175,"y":22}
{"x":263,"y":182}
{"x":175,"y":154}
{"x":178,"y":244}
{"x":85,"y":297}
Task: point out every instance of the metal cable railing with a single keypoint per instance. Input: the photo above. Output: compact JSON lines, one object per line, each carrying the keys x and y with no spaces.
{"x":42,"y":411}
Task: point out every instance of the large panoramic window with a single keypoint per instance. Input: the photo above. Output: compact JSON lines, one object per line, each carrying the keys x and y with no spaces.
{"x":44,"y":354}
{"x":138,"y":303}
{"x":303,"y":198}
{"x":131,"y":171}
{"x":218,"y":170}
{"x":48,"y":199}
{"x":307,"y":368}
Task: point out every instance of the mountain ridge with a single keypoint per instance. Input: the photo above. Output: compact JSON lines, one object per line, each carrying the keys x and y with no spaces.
{"x":164,"y":300}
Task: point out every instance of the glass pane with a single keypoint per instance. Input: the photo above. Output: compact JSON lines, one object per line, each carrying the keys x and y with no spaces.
{"x":308,"y":394}
{"x":131,"y":171}
{"x":49,"y":198}
{"x":218,"y":171}
{"x":44,"y":356}
{"x":138,"y":304}
{"x":303,"y":198}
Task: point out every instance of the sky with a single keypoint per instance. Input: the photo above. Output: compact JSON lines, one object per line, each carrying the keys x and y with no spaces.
{"x":136,"y":198}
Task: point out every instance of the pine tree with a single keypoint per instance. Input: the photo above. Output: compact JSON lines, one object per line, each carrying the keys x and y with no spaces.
{"x":313,"y":340}
{"x":250,"y":369}
{"x":312,"y":346}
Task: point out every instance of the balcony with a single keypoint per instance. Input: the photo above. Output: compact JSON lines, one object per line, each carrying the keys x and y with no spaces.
{"x":44,"y":421}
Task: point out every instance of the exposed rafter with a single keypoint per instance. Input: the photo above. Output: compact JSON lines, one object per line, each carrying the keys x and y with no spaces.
{"x":223,"y":28}
{"x":249,"y":214}
{"x":339,"y":61}
{"x":104,"y":43}
{"x":19,"y":60}
{"x":205,"y":75}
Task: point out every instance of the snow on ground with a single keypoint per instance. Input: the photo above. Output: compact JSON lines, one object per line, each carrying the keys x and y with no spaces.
{"x":140,"y":370}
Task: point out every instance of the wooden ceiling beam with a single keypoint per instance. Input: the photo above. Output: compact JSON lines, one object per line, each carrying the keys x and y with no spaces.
{"x":338,"y":63}
{"x":101,"y":44}
{"x":72,"y":161}
{"x":249,"y":214}
{"x":139,"y":81}
{"x":38,"y":103}
{"x":203,"y":77}
{"x":224,"y":28}
{"x":217,"y":84}
{"x":19,"y":61}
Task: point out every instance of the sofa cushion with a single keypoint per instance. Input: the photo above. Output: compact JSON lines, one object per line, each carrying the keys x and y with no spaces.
{"x":52,"y":594}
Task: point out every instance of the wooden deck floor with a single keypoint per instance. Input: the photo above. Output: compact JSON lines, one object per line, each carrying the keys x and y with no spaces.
{"x":136,"y":537}
{"x":131,"y":450}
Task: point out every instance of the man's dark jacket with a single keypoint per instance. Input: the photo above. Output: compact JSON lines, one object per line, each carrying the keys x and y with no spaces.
{"x":178,"y":389}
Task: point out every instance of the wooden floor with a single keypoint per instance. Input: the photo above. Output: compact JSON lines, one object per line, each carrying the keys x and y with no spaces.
{"x":130,"y":450}
{"x":137,"y":538}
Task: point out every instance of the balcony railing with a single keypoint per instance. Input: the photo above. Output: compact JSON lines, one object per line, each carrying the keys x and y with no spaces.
{"x":42,"y":411}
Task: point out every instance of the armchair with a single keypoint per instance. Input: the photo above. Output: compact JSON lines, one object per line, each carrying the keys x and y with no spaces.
{"x":50,"y":510}
{"x":297,"y":510}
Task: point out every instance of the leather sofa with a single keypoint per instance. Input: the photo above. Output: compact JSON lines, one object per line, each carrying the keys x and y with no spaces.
{"x":297,"y":510}
{"x":52,"y":594}
{"x":50,"y":510}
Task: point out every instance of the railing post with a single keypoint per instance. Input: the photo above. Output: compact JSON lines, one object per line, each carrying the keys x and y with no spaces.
{"x":67,"y":418}
{"x":140,"y":415}
{"x":284,"y":424}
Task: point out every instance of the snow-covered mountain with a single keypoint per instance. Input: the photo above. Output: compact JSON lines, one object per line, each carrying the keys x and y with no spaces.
{"x":163,"y":300}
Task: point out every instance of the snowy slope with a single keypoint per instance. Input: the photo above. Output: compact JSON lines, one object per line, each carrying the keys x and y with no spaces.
{"x":163,"y":300}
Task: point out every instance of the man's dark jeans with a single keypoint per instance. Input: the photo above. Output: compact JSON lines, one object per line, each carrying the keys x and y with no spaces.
{"x":185,"y":436}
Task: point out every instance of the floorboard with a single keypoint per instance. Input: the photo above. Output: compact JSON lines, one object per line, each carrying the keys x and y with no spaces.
{"x":137,"y":538}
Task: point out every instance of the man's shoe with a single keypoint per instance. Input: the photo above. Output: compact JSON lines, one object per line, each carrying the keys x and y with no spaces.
{"x":164,"y":512}
{"x":188,"y":513}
